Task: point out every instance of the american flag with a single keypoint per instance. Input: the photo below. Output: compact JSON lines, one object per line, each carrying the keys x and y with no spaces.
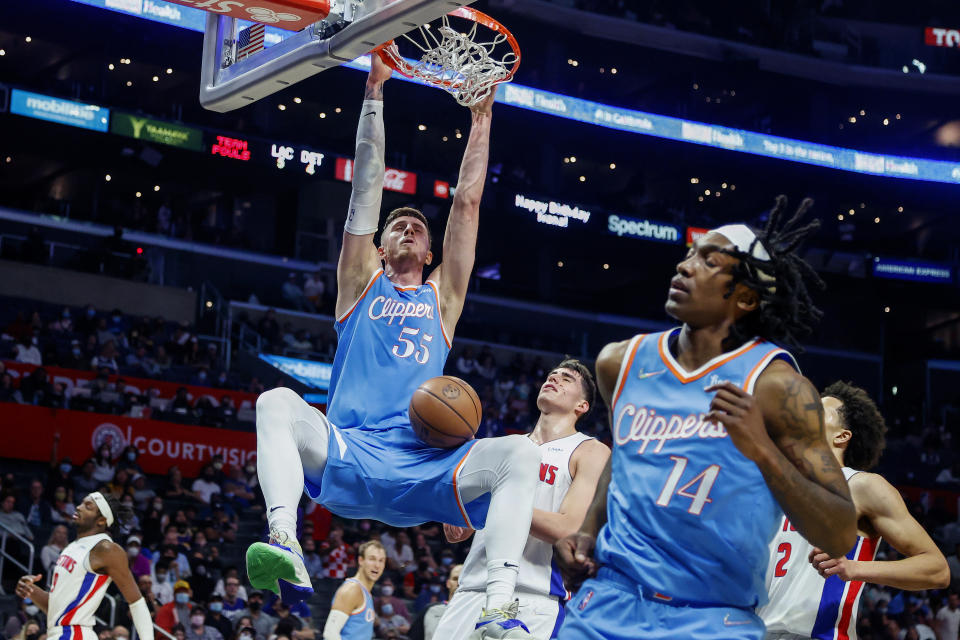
{"x":250,"y":41}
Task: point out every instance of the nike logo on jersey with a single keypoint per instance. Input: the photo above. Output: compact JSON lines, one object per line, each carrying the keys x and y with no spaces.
{"x":643,"y":375}
{"x":734,"y":623}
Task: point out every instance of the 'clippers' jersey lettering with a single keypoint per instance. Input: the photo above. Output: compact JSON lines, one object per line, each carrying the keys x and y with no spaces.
{"x":688,"y":515}
{"x":390,"y":342}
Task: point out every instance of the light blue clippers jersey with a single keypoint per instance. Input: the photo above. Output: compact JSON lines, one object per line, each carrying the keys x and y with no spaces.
{"x":688,"y":516}
{"x":359,"y":625}
{"x":390,"y":342}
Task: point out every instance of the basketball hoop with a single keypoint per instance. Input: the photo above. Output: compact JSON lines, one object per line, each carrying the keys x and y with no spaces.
{"x":465,"y":63}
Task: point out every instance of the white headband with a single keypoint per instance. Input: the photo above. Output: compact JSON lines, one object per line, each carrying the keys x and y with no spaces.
{"x":742,"y":238}
{"x":102,"y":504}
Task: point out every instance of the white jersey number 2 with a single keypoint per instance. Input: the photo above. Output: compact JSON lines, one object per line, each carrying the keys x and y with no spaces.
{"x":406,"y":347}
{"x":705,"y":478}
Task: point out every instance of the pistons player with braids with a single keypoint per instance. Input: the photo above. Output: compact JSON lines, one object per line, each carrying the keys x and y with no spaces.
{"x":716,"y":435}
{"x":84,"y":570}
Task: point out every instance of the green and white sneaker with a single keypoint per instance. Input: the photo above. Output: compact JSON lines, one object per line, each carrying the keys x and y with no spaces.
{"x":278,"y":567}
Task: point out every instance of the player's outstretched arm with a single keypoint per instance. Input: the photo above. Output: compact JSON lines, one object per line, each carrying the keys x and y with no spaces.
{"x":460,"y":237}
{"x":780,"y":428}
{"x":110,"y":558}
{"x":575,"y":552}
{"x":881,"y":505}
{"x":358,"y":256}
{"x":586,"y":466}
{"x":27,"y":588}
{"x":349,"y":598}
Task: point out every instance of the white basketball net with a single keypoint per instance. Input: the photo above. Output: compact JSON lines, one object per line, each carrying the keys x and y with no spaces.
{"x":456,"y":61}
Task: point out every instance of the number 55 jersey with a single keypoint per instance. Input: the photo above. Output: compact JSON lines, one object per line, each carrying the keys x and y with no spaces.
{"x":689,"y":517}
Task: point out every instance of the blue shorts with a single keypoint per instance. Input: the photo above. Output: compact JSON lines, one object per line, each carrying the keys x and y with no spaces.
{"x":388,"y":474}
{"x":609,"y":608}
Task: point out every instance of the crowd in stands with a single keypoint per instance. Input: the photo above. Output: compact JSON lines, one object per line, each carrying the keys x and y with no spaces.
{"x":185,"y":551}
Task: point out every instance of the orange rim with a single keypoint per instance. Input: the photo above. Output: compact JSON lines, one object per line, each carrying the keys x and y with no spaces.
{"x":470,"y":14}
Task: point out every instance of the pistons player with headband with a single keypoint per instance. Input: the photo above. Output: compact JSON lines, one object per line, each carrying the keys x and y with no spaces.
{"x":84,"y":570}
{"x":714,"y":432}
{"x":363,"y":459}
{"x":814,"y":595}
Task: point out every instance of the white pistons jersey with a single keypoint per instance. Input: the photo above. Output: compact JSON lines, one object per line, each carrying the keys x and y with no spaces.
{"x":538,"y":571}
{"x":76,"y":592}
{"x":803,"y":604}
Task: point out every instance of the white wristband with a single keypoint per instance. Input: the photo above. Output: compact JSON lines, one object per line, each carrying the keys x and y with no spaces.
{"x":366,"y":196}
{"x":142,"y":621}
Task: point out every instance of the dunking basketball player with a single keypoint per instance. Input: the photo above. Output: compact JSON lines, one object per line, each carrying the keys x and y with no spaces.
{"x":362,"y":460}
{"x":570,"y":467}
{"x":813,"y":595}
{"x":714,"y":432}
{"x":84,"y":570}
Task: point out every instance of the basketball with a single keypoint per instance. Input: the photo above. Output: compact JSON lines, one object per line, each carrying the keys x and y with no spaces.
{"x":445,"y":412}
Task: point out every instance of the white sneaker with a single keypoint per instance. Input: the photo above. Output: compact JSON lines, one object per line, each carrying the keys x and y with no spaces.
{"x":278,"y":567}
{"x":502,"y":624}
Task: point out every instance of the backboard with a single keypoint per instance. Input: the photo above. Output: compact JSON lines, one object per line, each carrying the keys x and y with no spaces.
{"x":352,"y":29}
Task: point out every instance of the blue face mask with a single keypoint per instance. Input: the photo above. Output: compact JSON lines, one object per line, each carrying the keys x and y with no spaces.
{"x":65,"y":468}
{"x":446,"y":561}
{"x":182,"y":598}
{"x":435,"y":588}
{"x":216,"y":607}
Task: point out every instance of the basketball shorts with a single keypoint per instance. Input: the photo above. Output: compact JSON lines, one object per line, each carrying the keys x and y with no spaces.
{"x":388,"y":474}
{"x":542,"y":615}
{"x":609,"y":608}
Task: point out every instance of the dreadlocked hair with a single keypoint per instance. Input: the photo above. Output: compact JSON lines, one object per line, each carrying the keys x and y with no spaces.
{"x":786,"y":311}
{"x":121,"y":518}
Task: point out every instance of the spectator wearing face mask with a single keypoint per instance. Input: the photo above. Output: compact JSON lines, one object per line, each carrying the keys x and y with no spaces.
{"x":128,"y":460}
{"x":198,"y":629}
{"x":388,"y":596}
{"x":31,"y":630}
{"x":162,"y":586}
{"x":430,"y":593}
{"x":245,"y":631}
{"x":177,"y":611}
{"x":76,"y":358}
{"x":263,"y":623}
{"x":85,"y":482}
{"x":28,"y":611}
{"x":103,"y":467}
{"x":391,"y":622}
{"x":139,"y":564}
{"x":120,"y":633}
{"x":217,"y":619}
{"x":63,"y":506}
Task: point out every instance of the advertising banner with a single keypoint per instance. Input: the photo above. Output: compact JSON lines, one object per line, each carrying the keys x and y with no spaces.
{"x":29,"y":431}
{"x":149,"y":130}
{"x":75,"y":114}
